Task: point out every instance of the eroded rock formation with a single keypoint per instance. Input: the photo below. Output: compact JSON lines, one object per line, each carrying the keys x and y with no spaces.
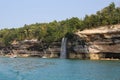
{"x":103,"y":40}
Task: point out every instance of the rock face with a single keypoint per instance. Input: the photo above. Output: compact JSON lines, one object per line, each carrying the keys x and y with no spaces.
{"x":95,"y":44}
{"x":102,"y":41}
{"x":30,"y":48}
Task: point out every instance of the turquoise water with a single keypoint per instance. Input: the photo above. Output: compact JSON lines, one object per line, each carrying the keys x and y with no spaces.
{"x":58,"y":69}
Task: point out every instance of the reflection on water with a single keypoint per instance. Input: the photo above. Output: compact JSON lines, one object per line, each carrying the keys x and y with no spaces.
{"x":58,"y":69}
{"x":25,"y":64}
{"x":20,"y":67}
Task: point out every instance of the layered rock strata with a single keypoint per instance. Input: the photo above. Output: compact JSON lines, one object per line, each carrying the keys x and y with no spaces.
{"x":102,"y":41}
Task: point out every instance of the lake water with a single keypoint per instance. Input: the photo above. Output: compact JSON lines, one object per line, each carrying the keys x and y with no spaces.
{"x":58,"y":69}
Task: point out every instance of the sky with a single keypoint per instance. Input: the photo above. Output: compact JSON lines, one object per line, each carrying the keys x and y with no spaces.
{"x":17,"y":13}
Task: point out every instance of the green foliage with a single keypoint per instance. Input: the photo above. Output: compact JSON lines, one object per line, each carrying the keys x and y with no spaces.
{"x":55,"y":31}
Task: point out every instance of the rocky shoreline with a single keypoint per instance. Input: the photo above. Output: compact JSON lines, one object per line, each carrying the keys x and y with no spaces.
{"x":101,"y":43}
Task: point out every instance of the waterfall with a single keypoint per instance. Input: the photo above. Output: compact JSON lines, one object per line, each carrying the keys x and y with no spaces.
{"x":63,"y":48}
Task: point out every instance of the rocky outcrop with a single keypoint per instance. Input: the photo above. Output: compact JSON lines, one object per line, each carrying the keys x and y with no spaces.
{"x":102,"y":41}
{"x":32,"y":48}
{"x":95,"y":44}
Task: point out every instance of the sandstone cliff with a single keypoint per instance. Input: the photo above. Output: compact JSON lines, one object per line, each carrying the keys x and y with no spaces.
{"x":97,"y":43}
{"x":103,"y":40}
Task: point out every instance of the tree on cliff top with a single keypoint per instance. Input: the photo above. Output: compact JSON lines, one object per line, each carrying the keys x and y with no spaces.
{"x":55,"y":31}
